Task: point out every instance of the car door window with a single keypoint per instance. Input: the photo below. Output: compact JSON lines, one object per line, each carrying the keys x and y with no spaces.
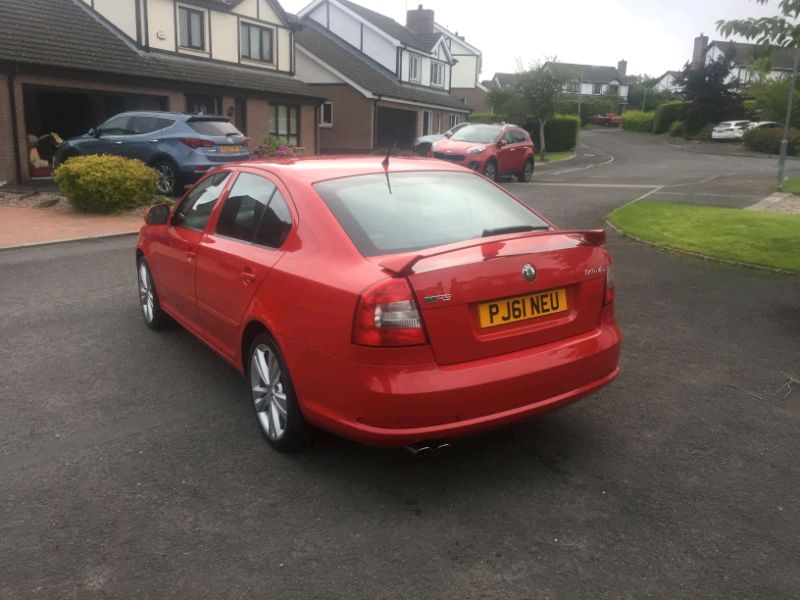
{"x":275,"y":223}
{"x":518,"y":137}
{"x":141,"y":125}
{"x":508,"y":137}
{"x":245,"y":206}
{"x":116,"y":126}
{"x":196,"y":209}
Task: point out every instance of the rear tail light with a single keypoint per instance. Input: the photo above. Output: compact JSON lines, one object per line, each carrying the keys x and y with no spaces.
{"x":197,"y":143}
{"x":387,"y":315}
{"x":611,"y":291}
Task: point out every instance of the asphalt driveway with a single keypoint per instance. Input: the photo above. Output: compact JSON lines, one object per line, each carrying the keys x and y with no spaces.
{"x":130,"y":465}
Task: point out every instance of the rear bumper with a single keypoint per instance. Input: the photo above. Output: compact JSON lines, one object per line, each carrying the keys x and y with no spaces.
{"x":400,"y":405}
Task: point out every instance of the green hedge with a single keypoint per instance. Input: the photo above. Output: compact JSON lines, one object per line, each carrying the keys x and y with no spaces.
{"x":560,"y":132}
{"x":106,"y":184}
{"x":636,"y":120}
{"x":487,"y":118}
{"x":769,"y":140}
{"x":676,"y":129}
{"x":667,"y":114}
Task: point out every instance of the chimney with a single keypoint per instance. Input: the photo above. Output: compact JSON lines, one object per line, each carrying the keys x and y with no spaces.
{"x":622,"y":67}
{"x":419,"y":20}
{"x":699,"y":53}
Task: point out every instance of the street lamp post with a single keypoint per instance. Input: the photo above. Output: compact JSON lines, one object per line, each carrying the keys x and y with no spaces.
{"x":785,"y":140}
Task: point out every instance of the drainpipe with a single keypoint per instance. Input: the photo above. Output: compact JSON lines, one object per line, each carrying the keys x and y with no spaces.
{"x":12,"y":97}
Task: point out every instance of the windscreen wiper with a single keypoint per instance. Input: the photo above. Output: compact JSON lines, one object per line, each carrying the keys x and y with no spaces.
{"x":514,"y":229}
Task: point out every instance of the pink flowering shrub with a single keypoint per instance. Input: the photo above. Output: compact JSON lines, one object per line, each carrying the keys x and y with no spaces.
{"x":275,"y":147}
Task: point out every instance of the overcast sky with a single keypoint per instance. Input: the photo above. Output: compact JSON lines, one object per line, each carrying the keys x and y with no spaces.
{"x":652,"y":35}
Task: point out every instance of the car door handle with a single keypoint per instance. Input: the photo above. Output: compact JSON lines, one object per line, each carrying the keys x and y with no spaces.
{"x":153,"y":141}
{"x":191,"y":255}
{"x":248,"y":277}
{"x":118,"y":143}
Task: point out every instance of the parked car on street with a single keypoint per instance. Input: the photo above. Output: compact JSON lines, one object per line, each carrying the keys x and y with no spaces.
{"x":493,"y":150}
{"x":405,"y":304}
{"x":763,"y":125}
{"x":180,"y":147}
{"x":423,"y":144}
{"x":729,"y":130}
{"x":609,"y":120}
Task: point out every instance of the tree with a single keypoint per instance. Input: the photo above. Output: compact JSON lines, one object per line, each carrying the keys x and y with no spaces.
{"x":770,"y":98}
{"x":540,"y":89}
{"x":712,"y":97}
{"x":781,"y":30}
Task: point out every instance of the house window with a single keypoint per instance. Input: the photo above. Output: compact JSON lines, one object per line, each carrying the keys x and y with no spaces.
{"x":427,"y":122}
{"x":597,"y":88}
{"x":192,"y":28}
{"x":613,"y":89}
{"x":414,"y":69}
{"x":255,"y":42}
{"x":437,"y":74}
{"x":573,"y":87}
{"x":454,"y":120}
{"x":326,"y":115}
{"x":199,"y":103}
{"x":283,"y":123}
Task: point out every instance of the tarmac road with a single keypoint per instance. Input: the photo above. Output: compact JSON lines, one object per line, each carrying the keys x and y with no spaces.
{"x":131,"y":465}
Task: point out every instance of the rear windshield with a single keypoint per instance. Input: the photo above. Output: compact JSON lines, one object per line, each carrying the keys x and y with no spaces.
{"x":479,"y":134}
{"x":221,"y":128}
{"x":423,"y":210}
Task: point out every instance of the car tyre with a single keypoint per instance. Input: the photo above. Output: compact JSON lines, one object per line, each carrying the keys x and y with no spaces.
{"x":154,"y":317}
{"x":526,"y":174}
{"x":273,"y":397}
{"x":168,"y":183}
{"x":490,"y":170}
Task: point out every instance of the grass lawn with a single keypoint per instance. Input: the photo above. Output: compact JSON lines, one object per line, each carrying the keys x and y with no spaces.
{"x":791,"y":185}
{"x":759,"y":238}
{"x":556,"y":156}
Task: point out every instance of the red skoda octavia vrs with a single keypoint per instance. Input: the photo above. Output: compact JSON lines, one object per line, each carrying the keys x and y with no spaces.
{"x":408,"y":305}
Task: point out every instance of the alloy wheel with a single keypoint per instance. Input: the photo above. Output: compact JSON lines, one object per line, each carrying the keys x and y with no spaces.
{"x":269,"y":395}
{"x":166,"y":178}
{"x":528,"y":172}
{"x":490,"y":171}
{"x":146,"y":296}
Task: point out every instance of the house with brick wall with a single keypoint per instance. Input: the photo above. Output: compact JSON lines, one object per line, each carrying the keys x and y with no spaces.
{"x":383,"y":81}
{"x":68,"y":65}
{"x":465,"y":82}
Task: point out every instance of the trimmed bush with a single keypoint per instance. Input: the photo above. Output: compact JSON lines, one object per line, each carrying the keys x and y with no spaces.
{"x":667,"y":114}
{"x":106,"y":184}
{"x":560,"y":132}
{"x":487,"y":118}
{"x":676,"y":129}
{"x":704,"y":135}
{"x":769,"y":140}
{"x":636,"y":120}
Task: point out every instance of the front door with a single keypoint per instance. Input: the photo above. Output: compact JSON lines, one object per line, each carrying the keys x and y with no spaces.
{"x":236,"y":256}
{"x":174,"y":253}
{"x":509,"y":156}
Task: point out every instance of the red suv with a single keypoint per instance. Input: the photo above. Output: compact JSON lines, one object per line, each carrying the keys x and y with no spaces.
{"x":490,"y":149}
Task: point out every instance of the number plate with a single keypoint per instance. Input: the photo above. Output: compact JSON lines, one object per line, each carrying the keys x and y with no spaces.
{"x":229,"y":148}
{"x":522,"y":308}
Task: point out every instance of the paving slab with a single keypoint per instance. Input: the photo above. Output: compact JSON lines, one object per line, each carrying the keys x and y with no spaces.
{"x":32,"y":226}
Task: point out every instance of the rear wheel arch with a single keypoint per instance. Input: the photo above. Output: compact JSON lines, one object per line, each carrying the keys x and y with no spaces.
{"x":251,"y":330}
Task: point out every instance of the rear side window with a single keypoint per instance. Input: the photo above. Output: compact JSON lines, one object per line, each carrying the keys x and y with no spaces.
{"x":244,"y":207}
{"x":196,"y":209}
{"x":422,"y":210}
{"x":140,"y":125}
{"x":275,"y":224}
{"x":211,"y":127}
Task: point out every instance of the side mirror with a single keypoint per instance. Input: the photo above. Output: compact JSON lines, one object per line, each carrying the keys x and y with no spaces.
{"x":448,"y":134}
{"x":93,"y":132}
{"x":157,"y":215}
{"x":501,"y":143}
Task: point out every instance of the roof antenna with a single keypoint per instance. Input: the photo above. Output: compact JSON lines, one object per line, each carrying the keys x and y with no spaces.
{"x":385,"y":163}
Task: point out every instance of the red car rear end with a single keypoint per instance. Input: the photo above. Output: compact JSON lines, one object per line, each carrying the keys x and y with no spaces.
{"x":401,"y":306}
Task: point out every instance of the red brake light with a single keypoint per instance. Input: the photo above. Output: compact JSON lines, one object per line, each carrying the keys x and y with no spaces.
{"x":387,"y":315}
{"x":197,"y":143}
{"x":611,"y":291}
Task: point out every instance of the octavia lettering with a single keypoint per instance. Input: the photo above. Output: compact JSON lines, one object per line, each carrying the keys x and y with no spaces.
{"x":531,"y":306}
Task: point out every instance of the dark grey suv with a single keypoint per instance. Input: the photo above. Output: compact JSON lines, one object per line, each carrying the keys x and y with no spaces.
{"x":180,"y":147}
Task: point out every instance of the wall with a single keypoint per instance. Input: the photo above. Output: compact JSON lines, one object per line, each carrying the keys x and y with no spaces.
{"x":308,"y":126}
{"x":475,"y":98}
{"x":310,"y":71}
{"x":465,"y":72}
{"x":353,"y":121}
{"x":121,"y":13}
{"x":7,"y":164}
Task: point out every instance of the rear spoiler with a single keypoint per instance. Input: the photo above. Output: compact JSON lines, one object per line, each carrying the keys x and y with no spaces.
{"x":402,"y":265}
